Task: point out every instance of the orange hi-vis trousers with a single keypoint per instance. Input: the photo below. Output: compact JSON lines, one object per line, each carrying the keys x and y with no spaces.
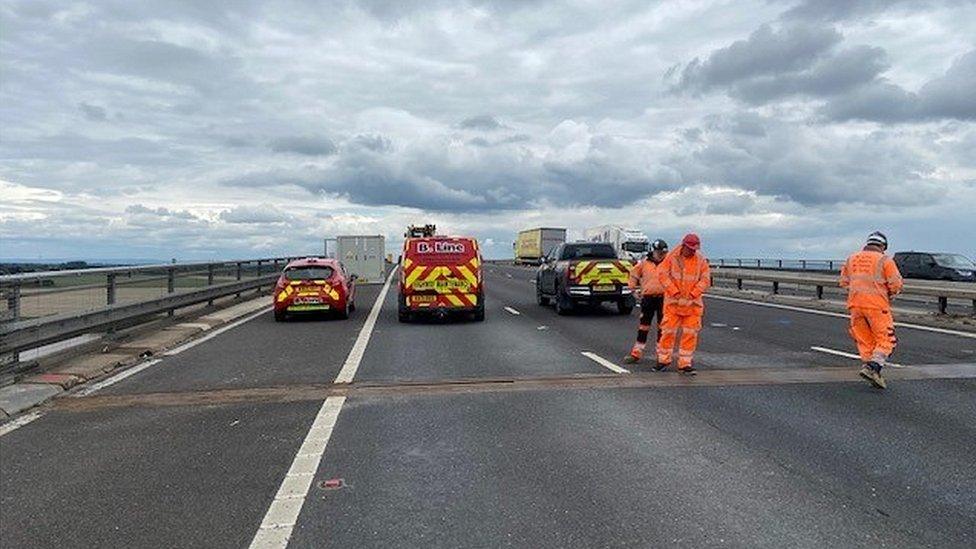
{"x":873,"y":331}
{"x":682,"y":329}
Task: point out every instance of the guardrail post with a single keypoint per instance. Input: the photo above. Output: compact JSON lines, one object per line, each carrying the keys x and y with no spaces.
{"x":759,"y":263}
{"x":803,"y":264}
{"x":13,"y":305}
{"x":943,"y":304}
{"x":830,"y":264}
{"x":738,"y":283}
{"x":171,"y":285}
{"x":110,"y":289}
{"x":238,"y":295}
{"x":819,"y":292}
{"x":776,"y":286}
{"x":974,"y":307}
{"x":210,"y":280}
{"x":721,"y":262}
{"x":739,"y":261}
{"x":779,"y":263}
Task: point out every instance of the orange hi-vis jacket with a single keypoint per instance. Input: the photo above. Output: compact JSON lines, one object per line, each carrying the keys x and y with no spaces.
{"x":645,"y":274}
{"x":871,"y":278}
{"x":685,"y":280}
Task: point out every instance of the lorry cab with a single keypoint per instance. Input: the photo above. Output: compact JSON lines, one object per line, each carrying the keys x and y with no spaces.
{"x":440,"y":275}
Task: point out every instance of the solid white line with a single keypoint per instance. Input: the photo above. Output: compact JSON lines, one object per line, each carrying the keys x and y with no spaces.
{"x":835,"y":352}
{"x":840,"y":315}
{"x":279,"y":521}
{"x":848,"y":355}
{"x":604,"y":362}
{"x":215,"y":333}
{"x":15,"y":424}
{"x":513,"y":311}
{"x":85,"y":391}
{"x":348,"y":370}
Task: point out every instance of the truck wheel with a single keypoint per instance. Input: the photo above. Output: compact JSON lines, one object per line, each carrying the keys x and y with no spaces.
{"x":540,"y":298}
{"x":280,"y":316}
{"x":563,"y":305}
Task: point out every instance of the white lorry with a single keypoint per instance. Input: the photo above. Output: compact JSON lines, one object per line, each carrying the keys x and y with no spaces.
{"x":630,"y":244}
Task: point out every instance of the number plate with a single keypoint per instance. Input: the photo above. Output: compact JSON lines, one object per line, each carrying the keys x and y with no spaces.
{"x":309,"y":307}
{"x":604,"y":288}
{"x":307,"y":300}
{"x":423,"y":298}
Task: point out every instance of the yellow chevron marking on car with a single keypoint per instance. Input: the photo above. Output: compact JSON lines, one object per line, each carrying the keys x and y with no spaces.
{"x":407,"y":263}
{"x":603,"y":272}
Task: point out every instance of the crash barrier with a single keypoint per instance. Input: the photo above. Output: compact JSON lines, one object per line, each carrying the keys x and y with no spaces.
{"x":942,"y":291}
{"x":815,"y":265}
{"x":51,"y":306}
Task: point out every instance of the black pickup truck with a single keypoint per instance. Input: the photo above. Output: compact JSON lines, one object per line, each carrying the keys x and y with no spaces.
{"x":584,"y":273}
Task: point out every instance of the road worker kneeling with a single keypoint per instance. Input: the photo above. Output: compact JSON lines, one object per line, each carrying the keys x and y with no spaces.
{"x":871,"y":279}
{"x":685,"y":275}
{"x":644,"y":278}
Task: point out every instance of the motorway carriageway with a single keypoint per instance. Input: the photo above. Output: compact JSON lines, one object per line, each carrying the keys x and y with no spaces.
{"x":243,"y":439}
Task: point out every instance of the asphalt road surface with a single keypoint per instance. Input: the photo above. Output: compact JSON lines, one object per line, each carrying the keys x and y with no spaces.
{"x":504,"y":433}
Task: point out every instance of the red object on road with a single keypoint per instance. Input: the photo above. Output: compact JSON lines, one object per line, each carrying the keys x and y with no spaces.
{"x":314,"y":285}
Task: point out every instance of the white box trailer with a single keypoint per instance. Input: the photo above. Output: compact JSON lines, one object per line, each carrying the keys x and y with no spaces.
{"x":629,"y":243}
{"x":363,"y":256}
{"x":532,"y":244}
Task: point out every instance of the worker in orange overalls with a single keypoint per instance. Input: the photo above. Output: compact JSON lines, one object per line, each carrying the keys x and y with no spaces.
{"x":685,"y":275}
{"x":871,"y":279}
{"x":644,"y":279}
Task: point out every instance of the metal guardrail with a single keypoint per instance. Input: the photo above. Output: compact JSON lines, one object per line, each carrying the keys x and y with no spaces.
{"x":942,"y":291}
{"x":65,"y":304}
{"x":826,"y":265}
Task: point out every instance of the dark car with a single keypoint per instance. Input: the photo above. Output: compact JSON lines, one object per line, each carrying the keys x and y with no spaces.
{"x":936,"y":266}
{"x":584,"y":273}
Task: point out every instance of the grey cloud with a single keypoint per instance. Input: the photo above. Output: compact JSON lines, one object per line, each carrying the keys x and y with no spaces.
{"x":139,"y":209}
{"x":839,"y":10}
{"x":93,"y":112}
{"x":831,"y":75}
{"x":265,"y":213}
{"x":304,"y":145}
{"x":810,"y":165}
{"x":766,"y":52}
{"x":950,"y":96}
{"x":481,"y":122}
{"x":375,"y":143}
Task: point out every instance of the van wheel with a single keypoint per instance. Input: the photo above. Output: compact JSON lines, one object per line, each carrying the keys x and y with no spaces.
{"x":403,"y":317}
{"x":479,"y":314}
{"x":344,"y":313}
{"x":352,"y":306}
{"x":280,"y":316}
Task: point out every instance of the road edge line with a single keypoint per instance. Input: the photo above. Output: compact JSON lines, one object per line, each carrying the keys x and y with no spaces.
{"x":279,"y":520}
{"x":348,"y":371}
{"x":945,"y":331}
{"x":604,"y":362}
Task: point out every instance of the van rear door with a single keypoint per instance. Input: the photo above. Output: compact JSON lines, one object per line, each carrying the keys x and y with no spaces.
{"x":441,"y":272}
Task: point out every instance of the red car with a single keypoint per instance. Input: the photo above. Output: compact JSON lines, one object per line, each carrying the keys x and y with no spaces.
{"x":314,"y":285}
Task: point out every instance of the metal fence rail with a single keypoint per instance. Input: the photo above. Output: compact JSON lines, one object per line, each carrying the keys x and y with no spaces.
{"x":46,"y":307}
{"x":942,"y":291}
{"x":824,"y":265}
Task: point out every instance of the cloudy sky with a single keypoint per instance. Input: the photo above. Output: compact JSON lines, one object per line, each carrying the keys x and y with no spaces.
{"x":773,"y":128}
